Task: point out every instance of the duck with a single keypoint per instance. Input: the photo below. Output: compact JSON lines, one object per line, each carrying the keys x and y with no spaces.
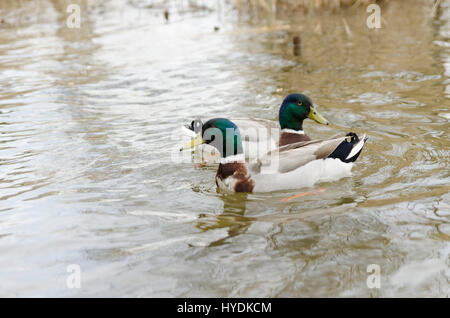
{"x":263,"y":135}
{"x":295,"y":165}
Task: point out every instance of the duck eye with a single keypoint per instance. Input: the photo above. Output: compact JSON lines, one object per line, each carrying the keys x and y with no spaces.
{"x":299,"y":103}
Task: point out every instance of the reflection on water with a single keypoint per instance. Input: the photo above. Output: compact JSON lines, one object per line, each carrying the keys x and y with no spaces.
{"x":86,"y":135}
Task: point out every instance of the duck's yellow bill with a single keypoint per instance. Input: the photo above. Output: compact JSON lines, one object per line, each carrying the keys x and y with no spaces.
{"x":198,"y":140}
{"x":317,"y":117}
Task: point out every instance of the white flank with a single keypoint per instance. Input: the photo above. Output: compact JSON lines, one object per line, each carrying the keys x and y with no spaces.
{"x":305,"y":176}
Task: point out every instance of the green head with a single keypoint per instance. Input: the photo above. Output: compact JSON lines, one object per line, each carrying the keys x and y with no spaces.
{"x":220,"y":133}
{"x":296,"y":108}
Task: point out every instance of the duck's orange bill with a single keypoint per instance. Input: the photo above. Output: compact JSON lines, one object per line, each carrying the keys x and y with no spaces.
{"x":304,"y":194}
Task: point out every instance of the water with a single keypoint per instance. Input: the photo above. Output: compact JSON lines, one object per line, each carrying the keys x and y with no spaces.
{"x":87,"y":121}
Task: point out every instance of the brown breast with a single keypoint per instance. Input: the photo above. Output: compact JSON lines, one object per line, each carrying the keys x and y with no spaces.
{"x":289,"y":138}
{"x":238,"y":171}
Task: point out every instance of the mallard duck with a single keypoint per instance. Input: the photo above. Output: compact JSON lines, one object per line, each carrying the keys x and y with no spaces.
{"x":291,"y":166}
{"x":262,"y":135}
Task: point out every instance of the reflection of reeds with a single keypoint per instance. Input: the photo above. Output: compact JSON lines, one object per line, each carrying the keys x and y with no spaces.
{"x":270,"y":6}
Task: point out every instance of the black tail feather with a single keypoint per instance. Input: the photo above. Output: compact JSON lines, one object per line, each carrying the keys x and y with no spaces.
{"x":345,"y":147}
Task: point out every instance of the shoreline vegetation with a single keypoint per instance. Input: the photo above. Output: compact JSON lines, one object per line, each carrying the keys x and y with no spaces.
{"x":270,"y":9}
{"x":268,"y":15}
{"x":265,"y":9}
{"x":302,"y":5}
{"x":242,"y":6}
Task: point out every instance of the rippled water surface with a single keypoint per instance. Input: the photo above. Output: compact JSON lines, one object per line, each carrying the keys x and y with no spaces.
{"x":88,"y":121}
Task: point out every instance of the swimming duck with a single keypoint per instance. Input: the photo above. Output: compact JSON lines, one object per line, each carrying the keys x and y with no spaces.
{"x":299,"y":164}
{"x":262,"y":135}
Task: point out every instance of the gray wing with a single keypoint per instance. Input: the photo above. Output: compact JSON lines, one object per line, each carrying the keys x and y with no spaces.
{"x":293,"y":156}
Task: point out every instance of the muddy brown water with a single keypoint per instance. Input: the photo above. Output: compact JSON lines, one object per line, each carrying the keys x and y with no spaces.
{"x":86,"y":139}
